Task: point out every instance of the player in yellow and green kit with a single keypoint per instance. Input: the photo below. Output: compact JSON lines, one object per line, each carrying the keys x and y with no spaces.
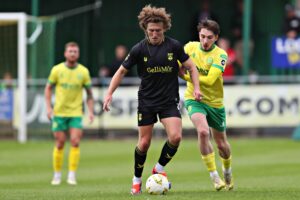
{"x":208,"y":115}
{"x":69,"y":78}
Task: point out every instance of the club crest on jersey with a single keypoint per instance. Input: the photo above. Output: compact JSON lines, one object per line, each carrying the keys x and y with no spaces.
{"x":209,"y":60}
{"x":79,"y":76}
{"x":145,"y":59}
{"x":170,"y":56}
{"x":223,"y":62}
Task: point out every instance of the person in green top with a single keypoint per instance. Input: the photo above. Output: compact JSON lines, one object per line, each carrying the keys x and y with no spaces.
{"x":69,"y":78}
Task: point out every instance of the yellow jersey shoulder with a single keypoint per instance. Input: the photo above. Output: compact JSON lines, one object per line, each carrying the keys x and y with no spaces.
{"x":191,"y":47}
{"x":221,"y":52}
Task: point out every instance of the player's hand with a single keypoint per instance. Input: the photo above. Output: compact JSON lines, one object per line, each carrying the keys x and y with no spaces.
{"x":181,"y":72}
{"x":91,"y":117}
{"x":197,"y":94}
{"x":49,"y":113}
{"x":107,"y":102}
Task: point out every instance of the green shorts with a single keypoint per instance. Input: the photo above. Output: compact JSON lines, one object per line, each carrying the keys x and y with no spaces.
{"x":216,"y":117}
{"x":65,"y":123}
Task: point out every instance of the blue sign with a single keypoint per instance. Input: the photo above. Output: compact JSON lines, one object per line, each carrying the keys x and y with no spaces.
{"x":285,"y":52}
{"x":6,"y":105}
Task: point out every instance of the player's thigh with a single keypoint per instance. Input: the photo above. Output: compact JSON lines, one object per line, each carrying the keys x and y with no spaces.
{"x":200,"y":123}
{"x":170,"y":117}
{"x":197,"y":113}
{"x":173,"y":126}
{"x":59,"y":124}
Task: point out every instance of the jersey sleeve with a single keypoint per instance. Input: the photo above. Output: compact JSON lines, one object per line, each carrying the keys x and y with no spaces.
{"x":52,"y":79}
{"x":131,"y":58}
{"x":182,"y":56}
{"x":220,"y":61}
{"x":211,"y":77}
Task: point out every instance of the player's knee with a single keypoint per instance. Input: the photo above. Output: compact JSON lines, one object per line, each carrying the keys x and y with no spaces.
{"x":203,"y":133}
{"x":144,"y":145}
{"x":223,"y":146}
{"x":75,"y":142}
{"x":60,"y":144}
{"x":175,"y":139}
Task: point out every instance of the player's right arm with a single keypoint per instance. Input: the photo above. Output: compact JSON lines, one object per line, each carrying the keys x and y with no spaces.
{"x":52,"y":80}
{"x":115,"y":82}
{"x":48,"y":93}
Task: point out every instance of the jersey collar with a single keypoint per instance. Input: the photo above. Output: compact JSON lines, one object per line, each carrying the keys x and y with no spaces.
{"x":212,"y":47}
{"x":71,"y":67}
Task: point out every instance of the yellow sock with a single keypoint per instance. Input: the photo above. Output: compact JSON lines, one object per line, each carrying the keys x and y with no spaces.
{"x":74,"y":156}
{"x":210,"y":162}
{"x":226,"y":163}
{"x":58,"y":155}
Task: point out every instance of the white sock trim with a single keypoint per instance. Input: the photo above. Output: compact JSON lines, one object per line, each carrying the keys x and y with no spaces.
{"x":159,"y":167}
{"x":136,"y":180}
{"x":214,"y":174}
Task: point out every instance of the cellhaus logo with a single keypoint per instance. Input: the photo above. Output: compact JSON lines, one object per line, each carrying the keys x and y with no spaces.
{"x":160,"y":69}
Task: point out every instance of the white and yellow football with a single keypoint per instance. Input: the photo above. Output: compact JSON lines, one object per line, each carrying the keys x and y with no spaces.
{"x":157,"y":184}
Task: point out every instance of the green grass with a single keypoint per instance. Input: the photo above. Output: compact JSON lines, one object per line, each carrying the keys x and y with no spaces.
{"x":263,"y":169}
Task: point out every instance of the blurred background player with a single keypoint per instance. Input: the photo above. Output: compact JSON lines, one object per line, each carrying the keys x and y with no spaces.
{"x":68,"y":78}
{"x":110,"y":69}
{"x":209,"y":114}
{"x":156,"y":58}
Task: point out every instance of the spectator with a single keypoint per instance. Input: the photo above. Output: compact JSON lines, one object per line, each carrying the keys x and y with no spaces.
{"x":229,"y":73}
{"x":204,"y":12}
{"x":110,"y":69}
{"x":237,"y":36}
{"x":291,"y":25}
{"x":7,"y":81}
{"x":237,"y":21}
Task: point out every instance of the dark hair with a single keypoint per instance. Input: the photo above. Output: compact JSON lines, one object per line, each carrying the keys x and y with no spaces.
{"x":209,"y":25}
{"x":154,"y":15}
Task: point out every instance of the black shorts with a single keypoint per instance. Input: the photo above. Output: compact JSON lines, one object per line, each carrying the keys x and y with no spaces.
{"x":147,"y":116}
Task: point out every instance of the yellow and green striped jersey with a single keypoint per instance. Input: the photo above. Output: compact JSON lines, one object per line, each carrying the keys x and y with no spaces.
{"x":211,"y":65}
{"x":69,"y":83}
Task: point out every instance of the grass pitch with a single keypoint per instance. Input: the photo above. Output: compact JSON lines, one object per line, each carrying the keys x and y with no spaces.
{"x":263,"y":169}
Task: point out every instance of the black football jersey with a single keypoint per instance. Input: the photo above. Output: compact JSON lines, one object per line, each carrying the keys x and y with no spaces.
{"x":157,"y":66}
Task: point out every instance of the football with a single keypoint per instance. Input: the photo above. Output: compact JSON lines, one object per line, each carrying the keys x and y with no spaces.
{"x":157,"y":184}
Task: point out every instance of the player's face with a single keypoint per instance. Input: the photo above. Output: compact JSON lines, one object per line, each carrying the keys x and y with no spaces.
{"x":207,"y":38}
{"x":72,"y":54}
{"x":155,"y":32}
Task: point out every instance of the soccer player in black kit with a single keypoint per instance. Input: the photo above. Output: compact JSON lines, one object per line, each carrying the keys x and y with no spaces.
{"x":156,"y":58}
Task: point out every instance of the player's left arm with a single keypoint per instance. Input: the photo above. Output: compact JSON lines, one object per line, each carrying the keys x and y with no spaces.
{"x":90,"y":98}
{"x":90,"y":103}
{"x":216,"y":70}
{"x":212,"y":76}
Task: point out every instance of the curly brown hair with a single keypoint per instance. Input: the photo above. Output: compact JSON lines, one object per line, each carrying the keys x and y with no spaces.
{"x":154,"y":15}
